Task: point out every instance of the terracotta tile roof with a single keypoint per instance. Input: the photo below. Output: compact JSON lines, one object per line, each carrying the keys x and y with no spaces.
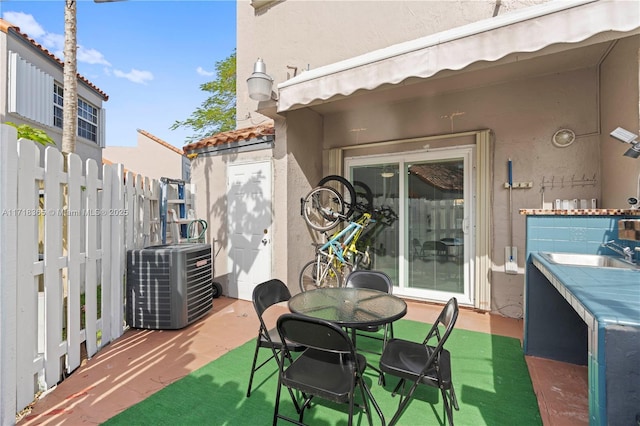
{"x":441,"y":176}
{"x":231,"y":136}
{"x":5,"y":26}
{"x":161,"y":142}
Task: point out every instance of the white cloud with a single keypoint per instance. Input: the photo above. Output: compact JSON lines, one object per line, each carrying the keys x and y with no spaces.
{"x":51,"y":41}
{"x":135,"y":76}
{"x":91,"y":56}
{"x":26,"y":22}
{"x":204,"y":72}
{"x":54,"y":43}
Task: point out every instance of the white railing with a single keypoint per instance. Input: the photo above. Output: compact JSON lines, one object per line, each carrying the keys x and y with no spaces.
{"x":64,"y":235}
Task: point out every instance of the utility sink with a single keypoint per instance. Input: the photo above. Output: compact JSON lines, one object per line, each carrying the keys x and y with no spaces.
{"x":592,"y":260}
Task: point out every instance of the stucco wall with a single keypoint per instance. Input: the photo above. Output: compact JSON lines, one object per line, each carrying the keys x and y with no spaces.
{"x":620,"y":89}
{"x":148,"y":158}
{"x":310,"y":34}
{"x":304,"y":145}
{"x":523,"y":112}
{"x":523,"y":115}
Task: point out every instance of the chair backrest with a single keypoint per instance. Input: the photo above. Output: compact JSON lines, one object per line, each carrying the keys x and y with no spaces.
{"x":441,"y":247}
{"x":428,"y":245}
{"x":446,"y":320}
{"x":375,"y":280}
{"x":315,"y":333}
{"x":269,"y":293}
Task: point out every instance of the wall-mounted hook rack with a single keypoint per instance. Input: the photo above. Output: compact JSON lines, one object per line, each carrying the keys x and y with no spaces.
{"x":569,"y":183}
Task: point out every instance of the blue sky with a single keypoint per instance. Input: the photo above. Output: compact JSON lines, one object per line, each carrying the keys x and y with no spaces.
{"x":149,"y":57}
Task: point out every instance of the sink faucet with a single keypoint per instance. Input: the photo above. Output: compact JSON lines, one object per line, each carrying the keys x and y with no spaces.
{"x":626,"y":252}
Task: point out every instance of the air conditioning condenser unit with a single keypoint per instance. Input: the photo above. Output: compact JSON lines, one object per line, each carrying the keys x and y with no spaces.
{"x":168,"y":286}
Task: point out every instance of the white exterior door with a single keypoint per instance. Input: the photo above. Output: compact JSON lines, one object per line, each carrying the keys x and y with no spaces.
{"x":249,"y":214}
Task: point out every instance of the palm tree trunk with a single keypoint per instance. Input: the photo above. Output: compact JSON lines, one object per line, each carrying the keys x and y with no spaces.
{"x":70,"y":107}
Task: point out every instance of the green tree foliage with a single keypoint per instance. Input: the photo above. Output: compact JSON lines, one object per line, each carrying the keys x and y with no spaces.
{"x":218,"y":112}
{"x":37,"y":135}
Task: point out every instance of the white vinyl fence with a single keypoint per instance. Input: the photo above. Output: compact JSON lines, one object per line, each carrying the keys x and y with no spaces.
{"x":64,"y":234}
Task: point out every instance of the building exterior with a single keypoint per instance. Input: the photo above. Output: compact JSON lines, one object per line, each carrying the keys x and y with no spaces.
{"x":32,"y":93}
{"x":151,"y":157}
{"x":433,"y":105}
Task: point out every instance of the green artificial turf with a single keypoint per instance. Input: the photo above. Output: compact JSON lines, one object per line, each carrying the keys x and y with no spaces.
{"x":490,"y":377}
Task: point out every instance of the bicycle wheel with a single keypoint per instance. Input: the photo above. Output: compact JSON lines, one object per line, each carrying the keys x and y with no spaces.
{"x":323,"y":208}
{"x":314,"y":275}
{"x":364,"y":197}
{"x":344,"y":188}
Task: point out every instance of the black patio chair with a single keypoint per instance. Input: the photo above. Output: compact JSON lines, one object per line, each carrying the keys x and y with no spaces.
{"x":329,"y":368}
{"x":437,"y":249}
{"x":264,"y":296}
{"x":375,"y":280}
{"x":417,"y":248}
{"x":424,"y":364}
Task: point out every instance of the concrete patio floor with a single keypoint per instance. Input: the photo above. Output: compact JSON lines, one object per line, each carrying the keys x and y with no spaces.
{"x":142,"y":362}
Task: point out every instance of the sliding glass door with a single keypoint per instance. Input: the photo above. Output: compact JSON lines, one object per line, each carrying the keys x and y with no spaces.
{"x":426,"y":248}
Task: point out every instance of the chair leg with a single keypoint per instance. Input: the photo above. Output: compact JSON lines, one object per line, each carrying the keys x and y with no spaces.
{"x":295,"y":401}
{"x":403,"y":403}
{"x":381,"y":380}
{"x":395,"y":390}
{"x":375,"y":405}
{"x":253,"y":368}
{"x":277,"y":405}
{"x":274,"y":355}
{"x":365,"y":400}
{"x":454,"y":400}
{"x":448,"y":413}
{"x":388,"y":330}
{"x":305,"y":404}
{"x":350,"y":421}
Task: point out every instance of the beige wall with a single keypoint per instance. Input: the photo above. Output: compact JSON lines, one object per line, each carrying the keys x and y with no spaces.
{"x":148,"y":158}
{"x":522,"y":115}
{"x":620,"y":108}
{"x":523,"y":110}
{"x":304,"y":170}
{"x":309,"y":34}
{"x":208,"y":175}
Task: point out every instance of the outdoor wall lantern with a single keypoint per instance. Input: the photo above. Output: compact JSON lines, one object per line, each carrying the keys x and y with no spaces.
{"x":260,"y":82}
{"x":627,"y":137}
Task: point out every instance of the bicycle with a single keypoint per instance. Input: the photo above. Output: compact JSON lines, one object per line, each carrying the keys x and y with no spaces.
{"x":336,"y":258}
{"x":383,"y":217}
{"x":335,"y":200}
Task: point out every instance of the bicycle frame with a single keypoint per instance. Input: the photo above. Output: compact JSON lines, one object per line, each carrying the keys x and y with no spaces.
{"x":344,"y":242}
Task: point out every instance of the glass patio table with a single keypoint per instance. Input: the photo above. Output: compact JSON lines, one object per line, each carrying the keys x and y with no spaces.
{"x":349,"y":307}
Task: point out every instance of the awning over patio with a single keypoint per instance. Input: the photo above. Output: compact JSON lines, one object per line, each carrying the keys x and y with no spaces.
{"x":528,"y":30}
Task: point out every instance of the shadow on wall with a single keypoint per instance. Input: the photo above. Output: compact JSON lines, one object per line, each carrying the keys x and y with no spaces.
{"x":241,"y":211}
